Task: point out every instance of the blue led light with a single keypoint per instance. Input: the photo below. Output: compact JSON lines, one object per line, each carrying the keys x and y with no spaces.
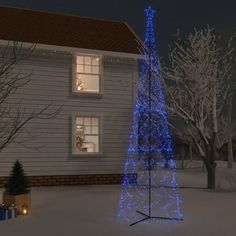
{"x":150,"y":135}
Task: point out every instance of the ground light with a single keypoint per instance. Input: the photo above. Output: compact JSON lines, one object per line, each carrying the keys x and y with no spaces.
{"x":24,"y":210}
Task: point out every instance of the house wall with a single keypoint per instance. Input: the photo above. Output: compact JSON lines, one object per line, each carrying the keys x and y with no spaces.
{"x":46,"y":143}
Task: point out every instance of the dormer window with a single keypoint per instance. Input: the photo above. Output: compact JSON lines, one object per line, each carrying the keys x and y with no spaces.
{"x":87,"y":74}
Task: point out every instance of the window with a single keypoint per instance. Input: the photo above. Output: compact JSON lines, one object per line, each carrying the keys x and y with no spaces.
{"x":86,"y":134}
{"x":88,"y":72}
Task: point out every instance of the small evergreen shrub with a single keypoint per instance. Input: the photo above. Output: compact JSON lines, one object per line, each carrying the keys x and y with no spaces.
{"x":17,"y":182}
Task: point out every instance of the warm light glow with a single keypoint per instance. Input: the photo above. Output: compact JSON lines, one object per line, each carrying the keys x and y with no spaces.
{"x":80,"y":85}
{"x":88,"y":73}
{"x":24,"y":210}
{"x":87,"y":134}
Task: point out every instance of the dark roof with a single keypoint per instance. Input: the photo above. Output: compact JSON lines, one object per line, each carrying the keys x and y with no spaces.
{"x":65,"y":30}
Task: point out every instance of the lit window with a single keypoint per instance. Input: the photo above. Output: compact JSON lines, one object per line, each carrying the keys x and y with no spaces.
{"x":87,"y":135}
{"x":87,"y":74}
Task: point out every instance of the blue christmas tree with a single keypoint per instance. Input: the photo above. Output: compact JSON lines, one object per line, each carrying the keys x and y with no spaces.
{"x":150,"y":153}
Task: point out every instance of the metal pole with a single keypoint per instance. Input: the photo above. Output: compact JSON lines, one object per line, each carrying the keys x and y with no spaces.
{"x":149,"y":126}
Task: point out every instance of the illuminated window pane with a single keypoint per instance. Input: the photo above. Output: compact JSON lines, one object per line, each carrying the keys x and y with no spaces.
{"x":90,"y":83}
{"x":88,"y":61}
{"x":87,"y":121}
{"x":80,"y":68}
{"x":80,"y":84}
{"x":95,"y":70}
{"x":88,"y":74}
{"x":88,"y":69}
{"x":95,"y":61}
{"x":95,"y":121}
{"x":94,"y":130}
{"x":79,"y":120}
{"x":87,"y":129}
{"x":80,"y":60}
{"x":87,"y":134}
{"x":91,"y":143}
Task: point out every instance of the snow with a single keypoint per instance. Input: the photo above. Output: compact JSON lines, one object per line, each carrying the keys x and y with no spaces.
{"x":195,"y":176}
{"x":92,"y":211}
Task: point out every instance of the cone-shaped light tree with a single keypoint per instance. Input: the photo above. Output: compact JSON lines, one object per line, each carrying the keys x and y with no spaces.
{"x":150,"y":153}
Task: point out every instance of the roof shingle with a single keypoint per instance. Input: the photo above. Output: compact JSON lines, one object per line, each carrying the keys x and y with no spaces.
{"x":65,"y":30}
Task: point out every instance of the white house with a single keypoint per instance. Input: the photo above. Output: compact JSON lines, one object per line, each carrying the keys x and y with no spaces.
{"x":87,"y":66}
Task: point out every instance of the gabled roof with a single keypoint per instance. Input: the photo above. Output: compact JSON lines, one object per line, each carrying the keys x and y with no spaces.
{"x":64,"y":30}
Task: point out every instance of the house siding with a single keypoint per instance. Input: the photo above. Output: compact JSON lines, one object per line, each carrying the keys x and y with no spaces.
{"x":48,"y":150}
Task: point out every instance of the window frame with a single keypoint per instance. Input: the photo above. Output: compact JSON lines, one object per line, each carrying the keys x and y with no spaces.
{"x":74,"y":76}
{"x":100,"y":132}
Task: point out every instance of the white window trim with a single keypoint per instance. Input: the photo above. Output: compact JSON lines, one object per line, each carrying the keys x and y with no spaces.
{"x":87,"y":154}
{"x":86,"y":94}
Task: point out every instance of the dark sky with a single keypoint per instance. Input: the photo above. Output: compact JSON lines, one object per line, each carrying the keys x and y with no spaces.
{"x":172,"y":14}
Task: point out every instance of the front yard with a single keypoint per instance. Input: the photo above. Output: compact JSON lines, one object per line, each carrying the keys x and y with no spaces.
{"x":92,"y":211}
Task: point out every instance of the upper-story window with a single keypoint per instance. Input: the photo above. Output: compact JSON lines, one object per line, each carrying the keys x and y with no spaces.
{"x":88,"y":72}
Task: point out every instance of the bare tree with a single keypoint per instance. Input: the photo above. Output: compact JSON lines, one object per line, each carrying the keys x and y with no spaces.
{"x":227,"y":131}
{"x":231,"y":120}
{"x":13,"y":117}
{"x":197,"y":82}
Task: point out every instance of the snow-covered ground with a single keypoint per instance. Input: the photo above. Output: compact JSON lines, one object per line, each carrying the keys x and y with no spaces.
{"x":195,"y":175}
{"x":92,"y":211}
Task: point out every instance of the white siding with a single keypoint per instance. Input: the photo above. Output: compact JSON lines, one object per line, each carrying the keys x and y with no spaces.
{"x":48,"y":151}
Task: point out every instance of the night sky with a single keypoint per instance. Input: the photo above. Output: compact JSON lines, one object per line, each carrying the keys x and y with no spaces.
{"x":172,"y":14}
